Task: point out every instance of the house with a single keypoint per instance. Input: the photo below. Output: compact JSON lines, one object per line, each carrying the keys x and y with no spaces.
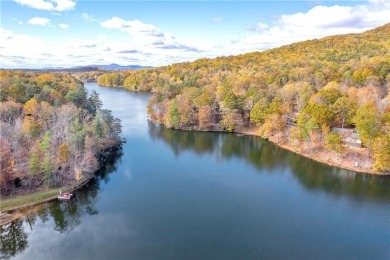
{"x":291,"y":120}
{"x":349,"y":136}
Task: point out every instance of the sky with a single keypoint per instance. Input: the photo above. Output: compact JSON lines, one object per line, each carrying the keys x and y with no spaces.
{"x":66,"y":33}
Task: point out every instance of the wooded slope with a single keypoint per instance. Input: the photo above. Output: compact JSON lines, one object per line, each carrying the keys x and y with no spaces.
{"x":51,"y":130}
{"x":298,"y":92}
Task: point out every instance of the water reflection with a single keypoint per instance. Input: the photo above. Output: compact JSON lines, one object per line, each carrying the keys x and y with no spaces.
{"x":264,"y":155}
{"x":66,"y":215}
{"x":194,"y":195}
{"x":13,"y":239}
{"x":313,"y":175}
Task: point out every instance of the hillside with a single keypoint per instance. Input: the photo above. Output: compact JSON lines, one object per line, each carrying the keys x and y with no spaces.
{"x":51,"y":131}
{"x":298,"y":95}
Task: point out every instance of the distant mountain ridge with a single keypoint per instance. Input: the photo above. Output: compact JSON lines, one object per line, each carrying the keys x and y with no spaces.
{"x":114,"y":66}
{"x":93,"y":67}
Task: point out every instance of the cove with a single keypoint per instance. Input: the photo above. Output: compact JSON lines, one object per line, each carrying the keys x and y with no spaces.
{"x":170,"y":194}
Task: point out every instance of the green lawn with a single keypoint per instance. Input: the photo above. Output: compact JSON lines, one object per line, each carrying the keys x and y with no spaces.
{"x":29,"y":199}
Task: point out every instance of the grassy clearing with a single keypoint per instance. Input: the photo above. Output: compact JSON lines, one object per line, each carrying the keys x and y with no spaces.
{"x":29,"y":199}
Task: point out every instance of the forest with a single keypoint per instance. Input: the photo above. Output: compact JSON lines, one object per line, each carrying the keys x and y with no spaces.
{"x":52,"y":131}
{"x":324,"y":95}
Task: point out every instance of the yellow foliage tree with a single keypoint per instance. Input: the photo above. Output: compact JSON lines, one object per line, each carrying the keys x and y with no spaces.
{"x":31,"y":107}
{"x":63,"y":153}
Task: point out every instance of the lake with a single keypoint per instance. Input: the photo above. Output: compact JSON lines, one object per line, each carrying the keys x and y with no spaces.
{"x":169,"y":194}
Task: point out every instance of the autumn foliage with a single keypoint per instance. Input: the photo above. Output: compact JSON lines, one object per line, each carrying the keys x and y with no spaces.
{"x":297,"y":92}
{"x":47,"y":123}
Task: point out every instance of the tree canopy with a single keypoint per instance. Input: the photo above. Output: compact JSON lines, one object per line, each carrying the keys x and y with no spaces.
{"x":45,"y":121}
{"x":313,"y":86}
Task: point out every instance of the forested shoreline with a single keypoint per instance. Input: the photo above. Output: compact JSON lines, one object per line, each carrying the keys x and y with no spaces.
{"x":327,"y":97}
{"x":52,"y":131}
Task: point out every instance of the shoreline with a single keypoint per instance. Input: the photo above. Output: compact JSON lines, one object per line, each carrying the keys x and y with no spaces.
{"x":251,"y":132}
{"x":11,"y":213}
{"x":8,"y":215}
{"x":329,"y":161}
{"x":317,"y":159}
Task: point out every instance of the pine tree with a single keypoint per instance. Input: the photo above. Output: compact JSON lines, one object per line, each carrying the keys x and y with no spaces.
{"x":174,"y":115}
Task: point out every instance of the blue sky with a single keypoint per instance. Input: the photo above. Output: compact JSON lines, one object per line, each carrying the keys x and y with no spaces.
{"x":44,"y":33}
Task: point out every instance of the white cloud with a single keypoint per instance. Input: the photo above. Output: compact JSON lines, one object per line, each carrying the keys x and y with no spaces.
{"x":14,"y":50}
{"x":216,"y":19}
{"x":49,"y":5}
{"x":39,"y":21}
{"x":148,"y":37}
{"x":147,"y":44}
{"x":88,"y":17}
{"x":260,"y":27}
{"x":14,"y":53}
{"x":5,"y":35}
{"x":142,"y":32}
{"x":63,"y":25}
{"x":320,"y":21}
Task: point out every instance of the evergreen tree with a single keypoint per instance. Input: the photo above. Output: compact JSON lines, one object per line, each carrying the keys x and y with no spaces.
{"x":174,"y":115}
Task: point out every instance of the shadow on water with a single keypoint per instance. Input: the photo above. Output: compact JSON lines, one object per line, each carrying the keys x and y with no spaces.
{"x":269,"y":158}
{"x":66,"y":215}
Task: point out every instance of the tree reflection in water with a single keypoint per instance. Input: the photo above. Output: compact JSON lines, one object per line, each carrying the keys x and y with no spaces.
{"x":65,"y":214}
{"x":13,"y":239}
{"x":267,"y":157}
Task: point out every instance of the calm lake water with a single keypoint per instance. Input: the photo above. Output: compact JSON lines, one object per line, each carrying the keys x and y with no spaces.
{"x":170,"y":194}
